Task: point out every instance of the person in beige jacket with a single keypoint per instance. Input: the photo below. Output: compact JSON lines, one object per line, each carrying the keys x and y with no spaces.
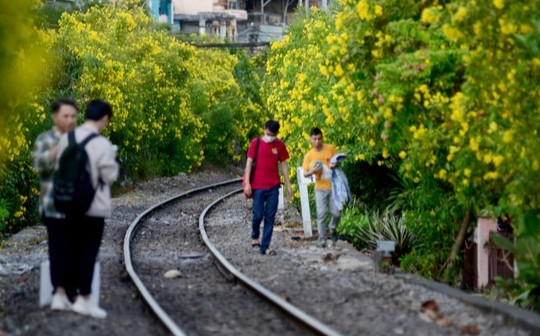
{"x":86,"y":230}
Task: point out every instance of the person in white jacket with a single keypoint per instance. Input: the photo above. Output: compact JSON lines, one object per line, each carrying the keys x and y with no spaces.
{"x":85,"y":231}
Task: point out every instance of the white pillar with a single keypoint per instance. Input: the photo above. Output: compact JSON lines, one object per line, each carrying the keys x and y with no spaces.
{"x":304,"y":200}
{"x":234,"y":32}
{"x":281,"y":203}
{"x":485,"y":226}
{"x":222,"y":29}
{"x":202,"y":26}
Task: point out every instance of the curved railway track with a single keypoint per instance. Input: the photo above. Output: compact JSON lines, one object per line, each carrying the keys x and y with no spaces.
{"x":201,"y":300}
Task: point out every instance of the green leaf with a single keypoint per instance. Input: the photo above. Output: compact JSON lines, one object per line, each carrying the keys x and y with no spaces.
{"x":502,"y":242}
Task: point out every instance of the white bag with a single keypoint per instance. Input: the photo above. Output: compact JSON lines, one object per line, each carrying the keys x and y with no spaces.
{"x":46,"y":288}
{"x":326,"y":173}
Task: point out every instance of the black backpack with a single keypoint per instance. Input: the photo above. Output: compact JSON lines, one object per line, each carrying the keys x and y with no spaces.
{"x":72,"y":183}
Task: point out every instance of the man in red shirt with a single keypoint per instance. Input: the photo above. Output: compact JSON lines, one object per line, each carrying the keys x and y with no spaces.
{"x":265,"y":182}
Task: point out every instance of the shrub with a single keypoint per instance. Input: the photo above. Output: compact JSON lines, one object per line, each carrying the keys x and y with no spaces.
{"x":22,"y":63}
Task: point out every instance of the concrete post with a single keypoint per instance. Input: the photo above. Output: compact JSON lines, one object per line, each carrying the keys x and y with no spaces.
{"x":202,"y":26}
{"x":234,"y":31}
{"x":304,"y":200}
{"x":222,"y":29}
{"x":485,"y":226}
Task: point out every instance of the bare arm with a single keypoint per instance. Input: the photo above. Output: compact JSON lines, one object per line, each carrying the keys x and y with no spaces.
{"x":315,"y":170}
{"x":247,"y":186}
{"x":285,"y":171}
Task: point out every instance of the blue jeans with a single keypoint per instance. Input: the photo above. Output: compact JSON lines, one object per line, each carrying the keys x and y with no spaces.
{"x":265,"y":202}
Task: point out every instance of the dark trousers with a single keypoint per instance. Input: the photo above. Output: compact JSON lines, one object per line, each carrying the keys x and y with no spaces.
{"x":265,"y":203}
{"x":59,"y":254}
{"x":84,"y":236}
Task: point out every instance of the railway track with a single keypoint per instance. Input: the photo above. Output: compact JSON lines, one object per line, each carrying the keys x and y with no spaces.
{"x":336,"y":286}
{"x":202,"y":300}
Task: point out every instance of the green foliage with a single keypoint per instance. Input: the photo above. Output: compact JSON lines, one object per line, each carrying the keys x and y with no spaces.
{"x":526,"y":251}
{"x":366,"y":228}
{"x":174,"y":105}
{"x":370,"y":183}
{"x":442,"y":95}
{"x":387,"y":226}
{"x":352,"y":219}
{"x":48,"y":15}
{"x":4,"y":214}
{"x":516,"y":292}
{"x":22,"y":63}
{"x":18,"y":196}
{"x":424,"y":262}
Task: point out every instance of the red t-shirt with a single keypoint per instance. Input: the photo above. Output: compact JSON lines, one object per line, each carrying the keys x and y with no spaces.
{"x":266,"y":173}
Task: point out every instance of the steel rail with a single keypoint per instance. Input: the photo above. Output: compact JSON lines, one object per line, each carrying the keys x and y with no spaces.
{"x":160,"y":313}
{"x":308,"y":321}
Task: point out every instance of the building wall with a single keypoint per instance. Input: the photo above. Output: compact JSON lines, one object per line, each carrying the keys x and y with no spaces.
{"x":191,"y":7}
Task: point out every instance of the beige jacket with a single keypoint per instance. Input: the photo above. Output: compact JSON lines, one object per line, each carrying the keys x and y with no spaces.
{"x":103,"y":168}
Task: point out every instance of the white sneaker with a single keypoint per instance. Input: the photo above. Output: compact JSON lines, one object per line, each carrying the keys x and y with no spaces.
{"x":88,"y":307}
{"x":60,"y":302}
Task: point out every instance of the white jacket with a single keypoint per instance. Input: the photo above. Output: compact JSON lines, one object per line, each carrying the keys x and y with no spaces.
{"x":103,"y":167}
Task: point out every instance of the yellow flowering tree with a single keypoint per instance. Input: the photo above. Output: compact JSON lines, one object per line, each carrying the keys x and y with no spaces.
{"x":22,"y":61}
{"x":444,"y":94}
{"x":174,"y":105}
{"x":294,"y":90}
{"x":168,"y":96}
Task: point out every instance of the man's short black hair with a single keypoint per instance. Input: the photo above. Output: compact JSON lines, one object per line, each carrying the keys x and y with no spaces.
{"x":55,"y":107}
{"x":315,"y":131}
{"x":97,"y":109}
{"x":272,"y":126}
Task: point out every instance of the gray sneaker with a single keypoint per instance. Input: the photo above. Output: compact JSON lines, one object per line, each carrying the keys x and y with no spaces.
{"x":321,"y":244}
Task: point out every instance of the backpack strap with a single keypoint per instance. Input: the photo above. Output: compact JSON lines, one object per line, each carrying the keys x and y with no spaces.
{"x":256,"y":149}
{"x":71,"y":138}
{"x":86,"y":140}
{"x":254,"y":160}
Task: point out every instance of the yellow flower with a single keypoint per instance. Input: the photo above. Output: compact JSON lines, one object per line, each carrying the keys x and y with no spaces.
{"x":452,"y":33}
{"x":497,"y":160}
{"x":430,"y":15}
{"x":402,"y":154}
{"x":475,"y":145}
{"x":467,"y":172}
{"x":388,"y":113}
{"x":338,"y":71}
{"x":460,"y":14}
{"x":360,"y":157}
{"x":508,"y":136}
{"x":498,"y":3}
{"x":363,"y":10}
{"x":491,"y":176}
{"x":442,"y":173}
